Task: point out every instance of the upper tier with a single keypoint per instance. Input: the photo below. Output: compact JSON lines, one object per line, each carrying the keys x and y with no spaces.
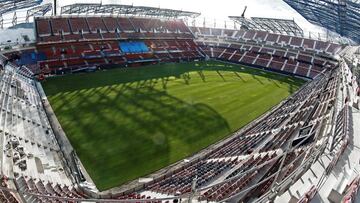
{"x":54,"y":29}
{"x":304,"y":44}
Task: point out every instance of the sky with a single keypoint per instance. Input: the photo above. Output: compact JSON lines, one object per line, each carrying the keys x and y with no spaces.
{"x":218,"y":10}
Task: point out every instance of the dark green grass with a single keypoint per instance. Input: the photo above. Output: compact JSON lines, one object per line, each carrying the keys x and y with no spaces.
{"x":127,"y":123}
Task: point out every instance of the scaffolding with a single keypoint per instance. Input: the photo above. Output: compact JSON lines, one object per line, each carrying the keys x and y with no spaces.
{"x":12,"y":5}
{"x":272,"y":25}
{"x":38,"y":11}
{"x":118,"y":9}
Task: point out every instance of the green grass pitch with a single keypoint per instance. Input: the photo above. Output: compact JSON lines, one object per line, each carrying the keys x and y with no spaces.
{"x":127,"y":123}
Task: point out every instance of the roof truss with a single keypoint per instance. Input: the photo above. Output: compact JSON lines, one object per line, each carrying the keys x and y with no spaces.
{"x":340,"y":16}
{"x":278,"y":26}
{"x":11,"y":5}
{"x":38,"y":10}
{"x":117,"y":9}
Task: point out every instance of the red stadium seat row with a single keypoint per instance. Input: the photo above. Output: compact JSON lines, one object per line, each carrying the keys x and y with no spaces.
{"x":288,"y":166}
{"x":51,"y":29}
{"x":309,"y":44}
{"x":230,"y":188}
{"x":46,"y":188}
{"x":77,"y":55}
{"x":286,"y":61}
{"x":6,"y":196}
{"x":180,"y":182}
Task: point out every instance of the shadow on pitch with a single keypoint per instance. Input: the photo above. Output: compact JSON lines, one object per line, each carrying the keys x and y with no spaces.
{"x":113,"y":126}
{"x":142,"y":76}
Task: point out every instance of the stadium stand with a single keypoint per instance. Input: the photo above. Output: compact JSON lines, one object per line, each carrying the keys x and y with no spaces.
{"x":97,"y":41}
{"x":241,"y":168}
{"x":287,"y":57}
{"x":269,"y":38}
{"x":31,"y":145}
{"x":51,"y":29}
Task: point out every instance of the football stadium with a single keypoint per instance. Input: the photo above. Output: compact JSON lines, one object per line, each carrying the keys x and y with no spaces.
{"x":122,"y":102}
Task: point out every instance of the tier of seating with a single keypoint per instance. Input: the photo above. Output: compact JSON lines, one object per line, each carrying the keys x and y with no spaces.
{"x":181,"y":181}
{"x":235,"y":185}
{"x":32,"y":155}
{"x":291,"y":162}
{"x":255,"y":48}
{"x":74,"y":56}
{"x":25,"y":61}
{"x":269,"y":57}
{"x":136,"y":196}
{"x":29,"y":185}
{"x":269,"y":38}
{"x":341,"y":127}
{"x":72,"y":44}
{"x":55,"y":29}
{"x":341,"y":137}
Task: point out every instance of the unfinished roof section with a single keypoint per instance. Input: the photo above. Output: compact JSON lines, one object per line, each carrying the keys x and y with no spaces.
{"x":340,"y":16}
{"x":272,"y":25}
{"x":117,"y":9}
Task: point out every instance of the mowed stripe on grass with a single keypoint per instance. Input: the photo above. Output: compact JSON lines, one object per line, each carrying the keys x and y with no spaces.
{"x":127,"y":123}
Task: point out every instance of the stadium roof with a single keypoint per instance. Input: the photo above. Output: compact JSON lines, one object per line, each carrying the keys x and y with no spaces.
{"x":278,"y":26}
{"x":340,"y":16}
{"x":38,"y":10}
{"x":119,"y":9}
{"x":11,"y":5}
